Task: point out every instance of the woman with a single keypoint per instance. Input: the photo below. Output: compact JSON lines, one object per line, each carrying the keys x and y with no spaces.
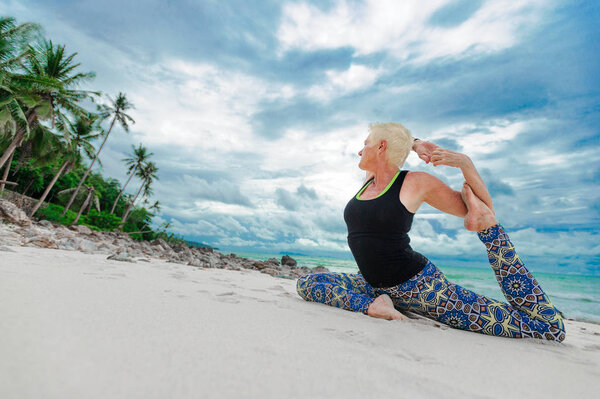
{"x":392,"y":275}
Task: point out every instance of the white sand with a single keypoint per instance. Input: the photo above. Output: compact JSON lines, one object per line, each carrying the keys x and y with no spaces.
{"x":80,"y":326}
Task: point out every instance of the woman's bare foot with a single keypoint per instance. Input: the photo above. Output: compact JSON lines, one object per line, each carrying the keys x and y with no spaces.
{"x":479,"y":217}
{"x":383,"y":308}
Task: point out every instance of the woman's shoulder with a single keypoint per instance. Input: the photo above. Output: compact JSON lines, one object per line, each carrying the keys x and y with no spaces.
{"x":421,"y":181}
{"x":418,"y":176}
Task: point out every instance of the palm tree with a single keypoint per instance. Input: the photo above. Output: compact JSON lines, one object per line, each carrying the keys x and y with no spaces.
{"x":14,"y":41}
{"x":139,"y":157}
{"x":117,"y":111}
{"x":154,"y":207}
{"x":77,"y":137}
{"x":46,"y":89}
{"x":148,"y":173}
{"x":43,"y":147}
{"x":12,"y":117}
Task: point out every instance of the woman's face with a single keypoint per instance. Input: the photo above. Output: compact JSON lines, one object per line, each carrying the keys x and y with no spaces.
{"x":368,"y":154}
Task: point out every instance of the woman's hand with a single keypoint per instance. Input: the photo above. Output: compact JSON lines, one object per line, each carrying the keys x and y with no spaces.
{"x":442,"y":156}
{"x":424,"y":149}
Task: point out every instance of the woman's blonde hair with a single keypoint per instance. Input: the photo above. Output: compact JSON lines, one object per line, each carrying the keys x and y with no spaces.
{"x":398,"y":138}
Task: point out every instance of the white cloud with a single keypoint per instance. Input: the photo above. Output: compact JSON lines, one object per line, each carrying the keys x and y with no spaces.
{"x":401,"y":28}
{"x":483,"y":139}
{"x":200,"y":107}
{"x":355,"y":78}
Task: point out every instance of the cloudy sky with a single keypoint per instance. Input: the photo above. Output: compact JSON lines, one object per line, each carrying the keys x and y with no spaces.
{"x":255,"y":111}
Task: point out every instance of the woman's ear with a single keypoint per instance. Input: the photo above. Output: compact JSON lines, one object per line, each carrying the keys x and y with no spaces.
{"x":382,"y":145}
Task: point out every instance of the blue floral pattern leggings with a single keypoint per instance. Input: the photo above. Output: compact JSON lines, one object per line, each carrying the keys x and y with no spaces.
{"x":528,"y":313}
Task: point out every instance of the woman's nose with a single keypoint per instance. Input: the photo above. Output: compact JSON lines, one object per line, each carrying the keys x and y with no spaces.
{"x":360,"y":153}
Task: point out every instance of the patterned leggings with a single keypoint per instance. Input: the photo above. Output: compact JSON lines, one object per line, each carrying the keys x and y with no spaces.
{"x":528,"y":313}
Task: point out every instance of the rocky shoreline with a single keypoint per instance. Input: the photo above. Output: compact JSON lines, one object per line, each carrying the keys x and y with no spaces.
{"x":17,"y":229}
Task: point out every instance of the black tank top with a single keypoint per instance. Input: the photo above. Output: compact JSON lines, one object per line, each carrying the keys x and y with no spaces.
{"x":378,"y":236}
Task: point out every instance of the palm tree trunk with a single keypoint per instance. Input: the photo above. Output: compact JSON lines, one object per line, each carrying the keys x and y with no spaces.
{"x":11,"y":147}
{"x":24,"y":150}
{"x":18,"y":140}
{"x":27,"y":187}
{"x":47,"y":190}
{"x":126,"y":214}
{"x":89,"y":207}
{"x":87,"y":172}
{"x":121,"y":193}
{"x":6,"y":170}
{"x":87,"y":199}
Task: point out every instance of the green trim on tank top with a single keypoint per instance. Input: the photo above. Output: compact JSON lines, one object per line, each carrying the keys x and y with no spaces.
{"x":381,"y":193}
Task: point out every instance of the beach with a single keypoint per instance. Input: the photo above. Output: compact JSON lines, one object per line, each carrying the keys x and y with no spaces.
{"x":81,"y":325}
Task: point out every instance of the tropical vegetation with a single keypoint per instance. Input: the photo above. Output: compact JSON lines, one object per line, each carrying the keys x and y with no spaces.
{"x":49,"y":135}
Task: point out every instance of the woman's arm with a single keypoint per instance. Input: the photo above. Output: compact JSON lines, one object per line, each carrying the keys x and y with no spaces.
{"x":419,"y":187}
{"x":441,"y":156}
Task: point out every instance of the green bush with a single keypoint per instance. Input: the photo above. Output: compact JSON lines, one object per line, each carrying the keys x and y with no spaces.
{"x":52,"y":213}
{"x":102,"y":220}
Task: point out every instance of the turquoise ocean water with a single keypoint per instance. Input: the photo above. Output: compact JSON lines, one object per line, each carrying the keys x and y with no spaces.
{"x":577,"y":296}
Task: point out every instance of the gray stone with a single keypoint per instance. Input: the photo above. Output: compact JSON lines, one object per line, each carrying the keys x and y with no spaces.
{"x":41,"y":242}
{"x":29,"y":232}
{"x":46,"y":223}
{"x":87,"y":246}
{"x":260,"y":265}
{"x":288,"y":261}
{"x":270,"y":271}
{"x":82,"y":229}
{"x":63,"y":232}
{"x":198,"y":263}
{"x":12,"y":214}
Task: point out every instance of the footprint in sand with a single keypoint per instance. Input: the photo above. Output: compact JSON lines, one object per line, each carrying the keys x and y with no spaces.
{"x":287,"y":294}
{"x":264,"y":300}
{"x":227,"y":297}
{"x":257,"y":290}
{"x":107,"y":278}
{"x":178,"y":275}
